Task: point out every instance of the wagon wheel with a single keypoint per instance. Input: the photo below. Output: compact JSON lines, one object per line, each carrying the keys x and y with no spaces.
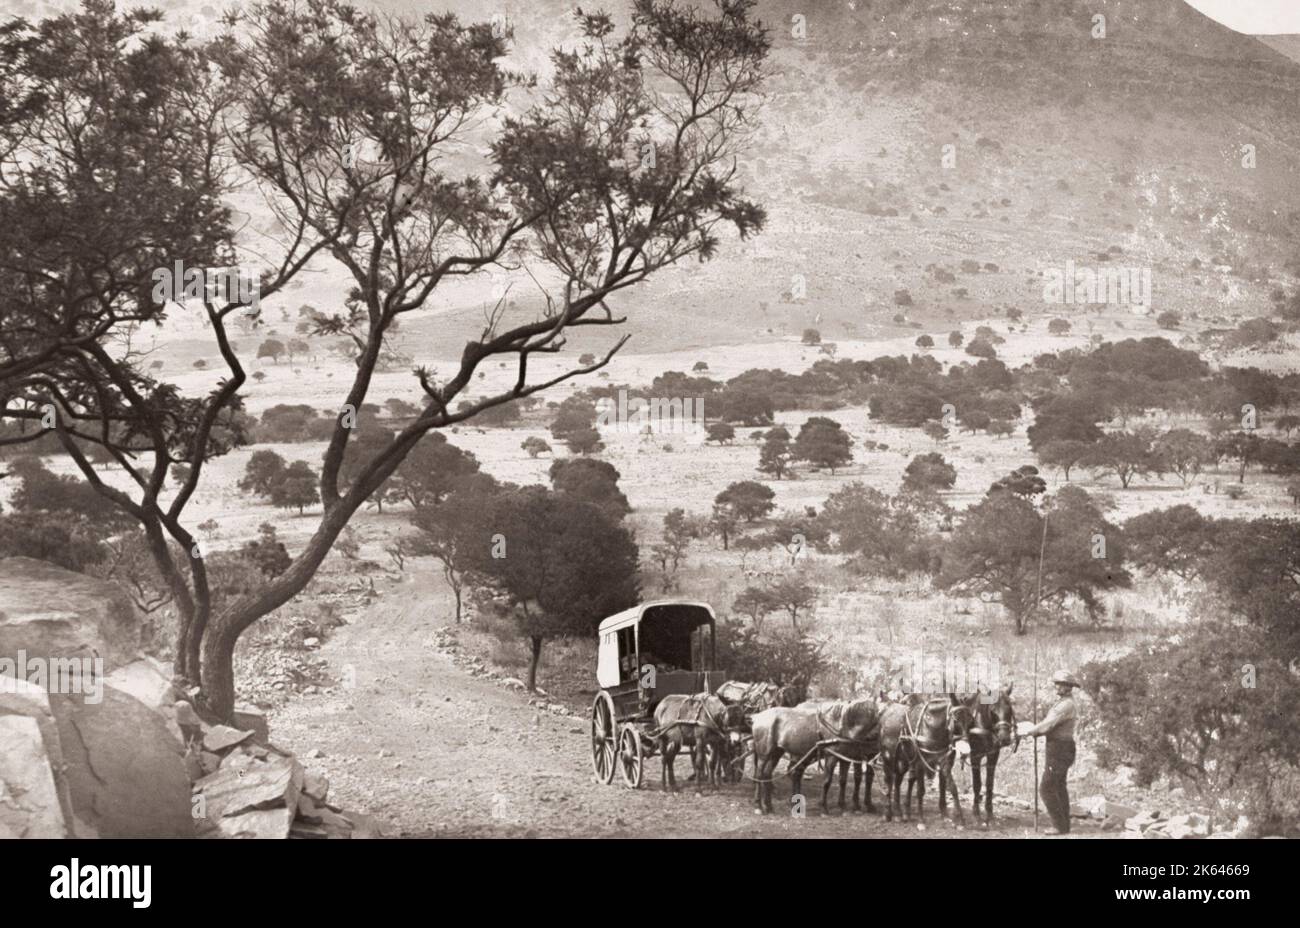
{"x":631,"y":760}
{"x":603,"y":747}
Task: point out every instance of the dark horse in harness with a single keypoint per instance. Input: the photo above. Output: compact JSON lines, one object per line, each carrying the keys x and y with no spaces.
{"x":994,"y":729}
{"x":702,"y":724}
{"x":919,"y":739}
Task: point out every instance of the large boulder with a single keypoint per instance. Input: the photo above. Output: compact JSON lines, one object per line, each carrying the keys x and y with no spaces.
{"x":50,"y":612}
{"x":126,"y":770}
{"x":20,"y":699}
{"x":148,"y":680}
{"x":29,"y":800}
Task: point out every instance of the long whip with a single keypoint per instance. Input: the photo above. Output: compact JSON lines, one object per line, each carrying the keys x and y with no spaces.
{"x":1035,"y":739}
{"x":1042,"y":550}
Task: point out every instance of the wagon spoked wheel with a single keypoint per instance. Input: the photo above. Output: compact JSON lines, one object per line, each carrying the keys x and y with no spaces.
{"x":604,"y":745}
{"x":631,"y":760}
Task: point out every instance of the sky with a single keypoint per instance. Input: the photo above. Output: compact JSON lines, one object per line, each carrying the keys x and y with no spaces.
{"x":1253,"y":17}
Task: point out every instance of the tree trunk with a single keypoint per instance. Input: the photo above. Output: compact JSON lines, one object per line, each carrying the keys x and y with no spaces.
{"x":536,"y":642}
{"x":218,"y":670}
{"x":217,"y":677}
{"x":456,"y":584}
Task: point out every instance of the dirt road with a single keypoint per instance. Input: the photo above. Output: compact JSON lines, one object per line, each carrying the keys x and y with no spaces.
{"x":432,"y":751}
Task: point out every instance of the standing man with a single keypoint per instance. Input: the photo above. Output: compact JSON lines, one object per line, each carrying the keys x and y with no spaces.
{"x":1058,"y":731}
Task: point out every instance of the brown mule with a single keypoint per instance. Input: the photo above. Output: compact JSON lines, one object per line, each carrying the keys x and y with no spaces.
{"x":799,"y":732}
{"x":846,"y":754}
{"x":994,"y":729}
{"x":919,"y":739}
{"x":698,"y":724}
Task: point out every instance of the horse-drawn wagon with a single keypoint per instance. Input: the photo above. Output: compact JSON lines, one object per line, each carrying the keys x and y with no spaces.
{"x":646,"y":654}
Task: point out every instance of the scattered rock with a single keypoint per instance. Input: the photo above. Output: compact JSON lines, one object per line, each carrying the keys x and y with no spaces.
{"x":259,"y":785}
{"x":258,"y":823}
{"x":186,"y":717}
{"x":247,"y":718}
{"x":316,"y":786}
{"x":222,"y":737}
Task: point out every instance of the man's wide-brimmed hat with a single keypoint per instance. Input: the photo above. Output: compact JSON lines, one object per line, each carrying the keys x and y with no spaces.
{"x":1062,"y":677}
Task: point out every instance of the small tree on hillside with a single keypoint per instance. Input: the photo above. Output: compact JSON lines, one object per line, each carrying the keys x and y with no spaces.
{"x":775,"y":455}
{"x":272,"y":348}
{"x":596,"y":482}
{"x":823,"y":443}
{"x":747,"y":500}
{"x":1126,"y":455}
{"x":929,"y":473}
{"x":1063,"y":455}
{"x":574,"y":425}
{"x":584,"y":441}
{"x":997,"y":545}
{"x":263,"y":470}
{"x":794,"y":595}
{"x":296,"y":486}
{"x":981,"y":348}
{"x":678,"y":533}
{"x":297,"y":347}
{"x":429,"y":471}
{"x":721,"y":432}
{"x":1176,"y":540}
{"x":535,"y":446}
{"x":456,"y":531}
{"x":755,"y":602}
{"x":935,"y":431}
{"x":882,"y":538}
{"x":1243,"y":447}
{"x":564,"y":566}
{"x":1185,"y":453}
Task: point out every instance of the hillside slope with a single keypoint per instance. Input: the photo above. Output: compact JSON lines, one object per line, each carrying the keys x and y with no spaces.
{"x":1171,"y":143}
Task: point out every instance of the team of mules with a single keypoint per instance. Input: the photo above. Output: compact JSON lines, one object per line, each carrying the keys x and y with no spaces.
{"x":918,"y":737}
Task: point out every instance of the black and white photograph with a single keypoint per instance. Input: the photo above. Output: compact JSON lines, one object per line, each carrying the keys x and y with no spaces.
{"x":651,"y":419}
